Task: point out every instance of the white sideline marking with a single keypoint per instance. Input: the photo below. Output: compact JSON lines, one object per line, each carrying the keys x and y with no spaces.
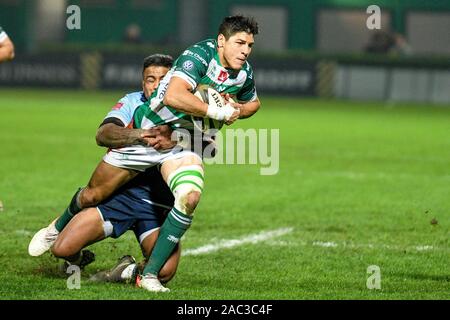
{"x":325,"y":244}
{"x":352,"y":175}
{"x":266,"y":235}
{"x":23,"y":232}
{"x":252,"y":238}
{"x":424,"y":248}
{"x":330,"y":244}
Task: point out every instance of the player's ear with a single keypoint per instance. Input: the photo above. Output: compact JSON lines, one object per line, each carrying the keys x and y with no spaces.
{"x":220,"y":40}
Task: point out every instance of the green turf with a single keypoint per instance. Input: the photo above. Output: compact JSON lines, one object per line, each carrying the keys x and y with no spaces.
{"x":359,"y":184}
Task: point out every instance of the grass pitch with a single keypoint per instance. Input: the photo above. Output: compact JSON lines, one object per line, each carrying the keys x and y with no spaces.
{"x":359,"y":184}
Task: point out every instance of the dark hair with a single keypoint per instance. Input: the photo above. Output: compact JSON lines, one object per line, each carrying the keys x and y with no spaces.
{"x":238,"y":23}
{"x":158,"y":60}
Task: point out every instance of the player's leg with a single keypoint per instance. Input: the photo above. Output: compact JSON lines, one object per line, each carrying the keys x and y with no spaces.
{"x":126,"y":270}
{"x":169,"y":269}
{"x":104,"y":181}
{"x":185,"y":178}
{"x":84,"y":229}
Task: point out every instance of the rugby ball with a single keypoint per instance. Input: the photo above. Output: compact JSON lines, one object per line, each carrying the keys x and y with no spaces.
{"x":212,"y":97}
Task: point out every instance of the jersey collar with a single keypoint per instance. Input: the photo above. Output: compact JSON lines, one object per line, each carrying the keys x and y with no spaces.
{"x":231,"y":72}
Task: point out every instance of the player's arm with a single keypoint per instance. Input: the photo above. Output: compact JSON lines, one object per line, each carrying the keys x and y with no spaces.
{"x":248,"y":97}
{"x":248,"y":109}
{"x":6,"y":50}
{"x":112,"y":133}
{"x":179,"y":97}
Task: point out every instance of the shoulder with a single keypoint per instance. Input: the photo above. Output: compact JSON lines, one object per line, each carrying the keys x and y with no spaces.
{"x":134,"y":98}
{"x":203,"y":51}
{"x":208,"y":46}
{"x":126,"y":106}
{"x":128,"y":103}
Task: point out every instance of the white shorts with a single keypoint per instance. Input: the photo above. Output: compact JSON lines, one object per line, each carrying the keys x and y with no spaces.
{"x":141,"y":158}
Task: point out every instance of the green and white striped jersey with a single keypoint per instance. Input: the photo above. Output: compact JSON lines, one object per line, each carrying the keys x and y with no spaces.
{"x":198,"y":64}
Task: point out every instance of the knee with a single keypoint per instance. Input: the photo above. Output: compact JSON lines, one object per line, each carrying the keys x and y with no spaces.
{"x":189,"y":201}
{"x":186,"y":184}
{"x":166,"y":274}
{"x":90,"y":197}
{"x":60,"y":250}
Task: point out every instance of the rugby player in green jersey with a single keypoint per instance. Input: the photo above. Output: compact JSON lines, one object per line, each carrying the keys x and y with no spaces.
{"x":221,"y":63}
{"x":113,"y":216}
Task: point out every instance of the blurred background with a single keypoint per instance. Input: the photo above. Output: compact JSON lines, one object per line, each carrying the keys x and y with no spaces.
{"x":312,"y":48}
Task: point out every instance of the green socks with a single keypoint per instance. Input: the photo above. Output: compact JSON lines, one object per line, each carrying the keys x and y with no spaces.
{"x":173,"y":228}
{"x":68,"y":214}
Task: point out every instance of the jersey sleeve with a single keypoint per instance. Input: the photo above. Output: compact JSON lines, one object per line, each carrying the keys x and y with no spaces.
{"x":248,"y":91}
{"x":122,"y":110}
{"x":192,"y":65}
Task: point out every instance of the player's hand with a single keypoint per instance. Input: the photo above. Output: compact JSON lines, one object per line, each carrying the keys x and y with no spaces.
{"x":226,"y":97}
{"x":158,"y":137}
{"x":236,"y":113}
{"x":229,"y":100}
{"x":226,"y":113}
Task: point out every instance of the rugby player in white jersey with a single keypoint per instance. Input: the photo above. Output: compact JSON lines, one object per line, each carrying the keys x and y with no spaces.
{"x":6,"y":47}
{"x":221,"y":63}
